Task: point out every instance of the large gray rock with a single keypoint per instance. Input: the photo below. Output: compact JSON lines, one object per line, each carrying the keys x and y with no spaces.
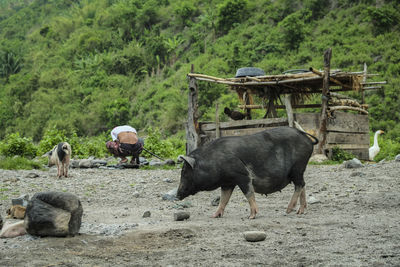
{"x":354,"y":163}
{"x":397,"y":158}
{"x":53,"y":214}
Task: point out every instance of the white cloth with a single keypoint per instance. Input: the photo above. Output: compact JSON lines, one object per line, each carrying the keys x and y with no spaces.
{"x":119,"y":129}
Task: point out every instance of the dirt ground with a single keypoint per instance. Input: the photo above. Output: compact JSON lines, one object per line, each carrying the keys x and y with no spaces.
{"x":352,"y":219}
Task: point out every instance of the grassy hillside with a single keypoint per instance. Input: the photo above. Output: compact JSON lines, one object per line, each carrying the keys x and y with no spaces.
{"x":86,"y":66}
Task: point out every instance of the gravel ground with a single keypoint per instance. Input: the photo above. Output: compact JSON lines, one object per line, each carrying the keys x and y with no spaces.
{"x":352,"y":219}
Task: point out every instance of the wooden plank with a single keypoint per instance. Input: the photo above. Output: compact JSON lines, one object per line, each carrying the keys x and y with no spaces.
{"x":348,"y":122}
{"x":308,"y":121}
{"x":347,"y":146}
{"x":348,"y":138}
{"x":245,"y":123}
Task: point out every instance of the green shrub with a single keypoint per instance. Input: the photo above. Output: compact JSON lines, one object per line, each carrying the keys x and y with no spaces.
{"x":164,"y":148}
{"x":341,"y":155}
{"x":15,"y":145}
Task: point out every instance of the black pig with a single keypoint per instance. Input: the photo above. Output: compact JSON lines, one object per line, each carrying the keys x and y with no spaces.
{"x":264,"y":163}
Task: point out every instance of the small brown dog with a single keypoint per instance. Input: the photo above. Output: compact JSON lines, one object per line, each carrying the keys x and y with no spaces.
{"x":16,"y":212}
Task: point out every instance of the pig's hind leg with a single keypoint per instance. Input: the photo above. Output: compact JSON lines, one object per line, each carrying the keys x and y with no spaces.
{"x":299,"y":192}
{"x":225,"y":196}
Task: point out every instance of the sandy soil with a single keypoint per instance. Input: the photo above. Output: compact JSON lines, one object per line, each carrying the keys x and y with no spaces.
{"x":352,"y":219}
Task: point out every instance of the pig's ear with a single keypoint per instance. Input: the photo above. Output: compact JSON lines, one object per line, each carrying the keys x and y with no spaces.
{"x":191,"y":161}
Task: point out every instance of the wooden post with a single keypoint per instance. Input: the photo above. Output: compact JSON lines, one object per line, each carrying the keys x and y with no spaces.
{"x":289,"y":110}
{"x":325,"y":98}
{"x":362,"y":87}
{"x":192,"y":129}
{"x":217,"y":130}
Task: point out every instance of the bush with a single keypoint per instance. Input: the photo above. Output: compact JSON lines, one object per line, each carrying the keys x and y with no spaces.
{"x":15,"y":145}
{"x":167,"y":148}
{"x":341,"y":155}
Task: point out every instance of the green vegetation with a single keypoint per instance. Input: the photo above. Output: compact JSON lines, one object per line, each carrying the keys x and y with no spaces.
{"x":71,"y":70}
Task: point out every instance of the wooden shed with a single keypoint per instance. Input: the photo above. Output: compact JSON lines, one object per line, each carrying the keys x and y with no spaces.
{"x":340,"y":121}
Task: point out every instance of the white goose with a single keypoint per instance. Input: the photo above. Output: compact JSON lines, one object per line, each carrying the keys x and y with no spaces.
{"x":374,"y":150}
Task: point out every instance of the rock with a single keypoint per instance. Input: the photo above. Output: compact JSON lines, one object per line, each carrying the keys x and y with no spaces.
{"x":21,"y":200}
{"x":360,"y":174}
{"x":97,"y":163}
{"x":254,"y":236}
{"x":171,"y":195}
{"x":53,"y":214}
{"x":32,"y":175}
{"x":215,"y":201}
{"x":146,"y":214}
{"x":167,"y":180}
{"x":74,"y":164}
{"x":181,"y":215}
{"x":156,"y":163}
{"x":397,"y":158}
{"x":313,"y":200}
{"x":354,"y":163}
{"x":85,"y":163}
{"x":318,"y":158}
{"x":1,"y":222}
{"x":169,"y":162}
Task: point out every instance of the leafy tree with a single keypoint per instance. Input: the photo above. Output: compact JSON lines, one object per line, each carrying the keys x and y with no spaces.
{"x":294,"y":29}
{"x":230,"y":13}
{"x":9,"y":64}
{"x":382,"y":18}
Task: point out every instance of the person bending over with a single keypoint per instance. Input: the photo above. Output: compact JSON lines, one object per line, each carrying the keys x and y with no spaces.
{"x":125,"y":143}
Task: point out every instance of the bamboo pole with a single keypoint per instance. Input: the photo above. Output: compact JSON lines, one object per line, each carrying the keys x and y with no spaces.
{"x":217,"y":130}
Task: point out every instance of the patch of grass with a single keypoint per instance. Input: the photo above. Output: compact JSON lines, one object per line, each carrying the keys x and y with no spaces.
{"x":19,"y":163}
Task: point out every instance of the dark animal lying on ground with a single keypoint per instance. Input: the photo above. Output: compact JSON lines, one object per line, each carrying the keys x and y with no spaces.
{"x":60,"y":155}
{"x":233,"y":114}
{"x":263,"y":163}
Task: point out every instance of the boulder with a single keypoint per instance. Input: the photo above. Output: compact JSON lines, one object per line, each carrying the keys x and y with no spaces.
{"x":397,"y":158}
{"x":354,"y":163}
{"x":53,"y":214}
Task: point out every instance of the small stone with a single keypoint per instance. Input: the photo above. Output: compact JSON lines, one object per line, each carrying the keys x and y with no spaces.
{"x":254,"y":236}
{"x":146,"y":214}
{"x":313,"y":200}
{"x":171,"y":195}
{"x":181,"y":215}
{"x":32,"y":175}
{"x":215,"y":201}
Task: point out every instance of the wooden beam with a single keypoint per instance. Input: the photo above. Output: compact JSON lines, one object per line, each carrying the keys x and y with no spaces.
{"x":245,"y":123}
{"x":280,"y":106}
{"x":325,"y":98}
{"x":331,"y":79}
